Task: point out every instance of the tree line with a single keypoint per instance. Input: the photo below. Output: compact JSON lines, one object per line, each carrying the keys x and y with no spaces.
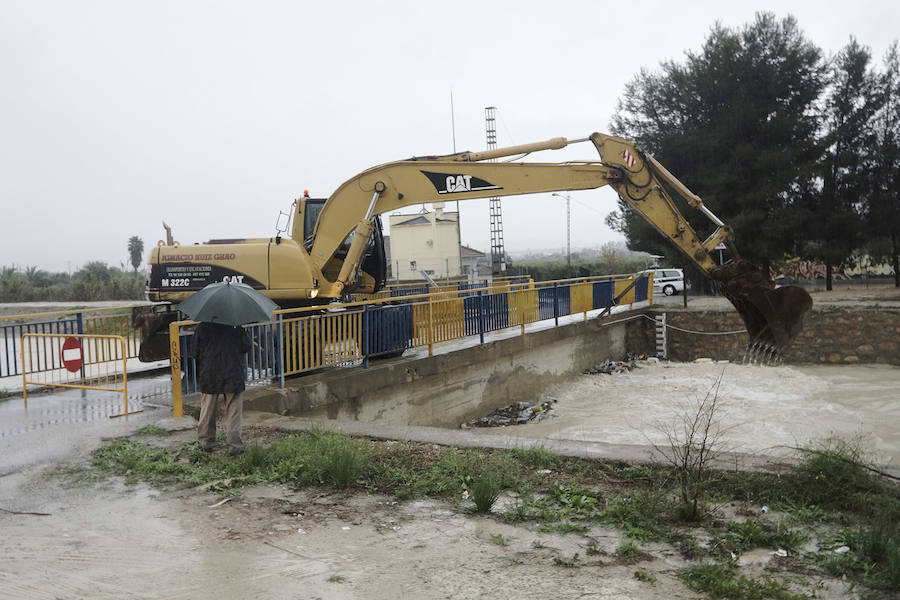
{"x":796,"y":150}
{"x":612,"y":258}
{"x":94,"y":281}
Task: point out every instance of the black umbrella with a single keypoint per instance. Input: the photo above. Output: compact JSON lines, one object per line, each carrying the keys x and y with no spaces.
{"x":229,"y":304}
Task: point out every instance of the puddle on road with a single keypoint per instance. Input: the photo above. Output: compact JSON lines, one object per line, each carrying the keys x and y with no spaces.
{"x":44,"y":411}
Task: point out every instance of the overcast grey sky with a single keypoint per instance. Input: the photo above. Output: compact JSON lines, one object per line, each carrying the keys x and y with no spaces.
{"x":214,"y":115}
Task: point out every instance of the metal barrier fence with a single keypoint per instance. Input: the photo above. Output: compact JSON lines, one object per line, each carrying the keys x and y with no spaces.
{"x":350,"y":334}
{"x":112,"y":321}
{"x":82,"y":361}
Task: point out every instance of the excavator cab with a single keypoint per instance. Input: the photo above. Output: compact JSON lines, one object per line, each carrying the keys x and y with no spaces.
{"x":374,"y":262}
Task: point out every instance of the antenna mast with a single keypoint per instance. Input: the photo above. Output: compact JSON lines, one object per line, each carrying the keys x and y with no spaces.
{"x":498,"y":255}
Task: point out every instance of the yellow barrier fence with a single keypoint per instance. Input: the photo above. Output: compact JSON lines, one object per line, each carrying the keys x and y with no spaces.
{"x":81,"y":361}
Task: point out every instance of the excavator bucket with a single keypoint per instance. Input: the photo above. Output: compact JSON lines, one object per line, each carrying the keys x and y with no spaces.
{"x":773,"y":315}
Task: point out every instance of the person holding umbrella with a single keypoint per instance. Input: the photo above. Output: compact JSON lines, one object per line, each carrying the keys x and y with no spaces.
{"x":219,"y":345}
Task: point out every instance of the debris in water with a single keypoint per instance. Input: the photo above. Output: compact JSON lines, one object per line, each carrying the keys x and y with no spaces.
{"x":514,"y":414}
{"x":611,"y":366}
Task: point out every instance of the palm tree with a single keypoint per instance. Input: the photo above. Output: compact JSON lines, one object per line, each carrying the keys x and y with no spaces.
{"x":136,"y":251}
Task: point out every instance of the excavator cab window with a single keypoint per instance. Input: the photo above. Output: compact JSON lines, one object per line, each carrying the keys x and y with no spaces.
{"x":312,"y":208}
{"x":375,"y":261}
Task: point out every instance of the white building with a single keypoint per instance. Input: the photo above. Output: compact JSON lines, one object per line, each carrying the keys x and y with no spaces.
{"x":474,"y":262}
{"x":427,"y":241}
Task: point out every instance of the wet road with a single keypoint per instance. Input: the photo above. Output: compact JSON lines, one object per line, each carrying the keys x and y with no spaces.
{"x":58,"y":425}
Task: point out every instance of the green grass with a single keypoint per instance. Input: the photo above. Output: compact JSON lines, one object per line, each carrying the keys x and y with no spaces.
{"x":641,"y":513}
{"x":569,"y":563}
{"x":645,"y":576}
{"x":4,"y":394}
{"x":631,"y":553}
{"x":740,"y":537}
{"x":485,"y":491}
{"x":723,"y":581}
{"x":873,"y":558}
{"x":831,"y":486}
{"x":563,"y":528}
{"x":538,"y":458}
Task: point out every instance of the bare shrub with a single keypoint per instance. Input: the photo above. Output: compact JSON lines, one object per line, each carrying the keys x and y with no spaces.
{"x":693,"y":440}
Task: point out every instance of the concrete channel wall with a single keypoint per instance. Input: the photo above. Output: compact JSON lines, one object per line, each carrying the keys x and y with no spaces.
{"x":447,"y":389}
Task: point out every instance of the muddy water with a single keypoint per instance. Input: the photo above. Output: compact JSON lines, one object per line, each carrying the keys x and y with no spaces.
{"x":131,"y":542}
{"x":762,"y":409}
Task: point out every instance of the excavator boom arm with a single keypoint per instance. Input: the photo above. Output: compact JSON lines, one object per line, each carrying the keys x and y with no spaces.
{"x":467,"y":176}
{"x":772,"y":316}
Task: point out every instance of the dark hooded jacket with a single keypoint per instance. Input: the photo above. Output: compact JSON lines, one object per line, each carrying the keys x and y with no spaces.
{"x":219,"y":351}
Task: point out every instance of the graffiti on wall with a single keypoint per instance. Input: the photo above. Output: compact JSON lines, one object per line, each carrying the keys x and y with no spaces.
{"x":806,"y":269}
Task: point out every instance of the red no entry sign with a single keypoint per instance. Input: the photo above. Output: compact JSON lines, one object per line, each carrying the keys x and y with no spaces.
{"x":71,"y":355}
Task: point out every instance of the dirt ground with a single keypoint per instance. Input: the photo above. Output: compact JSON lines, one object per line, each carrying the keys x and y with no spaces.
{"x":100,"y":538}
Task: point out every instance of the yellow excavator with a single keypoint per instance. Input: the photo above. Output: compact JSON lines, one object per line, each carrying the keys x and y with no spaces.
{"x":336,"y":246}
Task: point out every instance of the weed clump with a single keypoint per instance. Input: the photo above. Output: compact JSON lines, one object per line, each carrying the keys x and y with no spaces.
{"x":724,"y":581}
{"x":485,"y":491}
{"x":740,"y":537}
{"x":641,"y":513}
{"x":645,"y":576}
{"x":631,"y":553}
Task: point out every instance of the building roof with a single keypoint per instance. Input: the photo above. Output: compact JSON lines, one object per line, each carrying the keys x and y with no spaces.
{"x":421,"y":220}
{"x":466,"y":252}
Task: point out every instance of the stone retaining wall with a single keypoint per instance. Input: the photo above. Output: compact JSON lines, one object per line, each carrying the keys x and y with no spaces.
{"x":829,"y":336}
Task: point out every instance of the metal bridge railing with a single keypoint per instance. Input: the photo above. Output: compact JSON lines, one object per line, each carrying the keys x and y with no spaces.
{"x":101,"y":321}
{"x":307,"y":339}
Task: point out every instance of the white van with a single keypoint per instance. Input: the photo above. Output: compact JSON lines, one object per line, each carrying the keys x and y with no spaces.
{"x":667,"y":281}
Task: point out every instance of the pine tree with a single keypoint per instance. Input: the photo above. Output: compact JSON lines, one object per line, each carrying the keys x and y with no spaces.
{"x":735,"y":123}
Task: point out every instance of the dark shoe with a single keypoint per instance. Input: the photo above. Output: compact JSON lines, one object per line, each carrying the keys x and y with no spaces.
{"x":235,"y":450}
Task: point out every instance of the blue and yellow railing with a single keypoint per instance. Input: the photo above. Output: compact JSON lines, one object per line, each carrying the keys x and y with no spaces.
{"x":97,"y":321}
{"x":306,"y":339}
